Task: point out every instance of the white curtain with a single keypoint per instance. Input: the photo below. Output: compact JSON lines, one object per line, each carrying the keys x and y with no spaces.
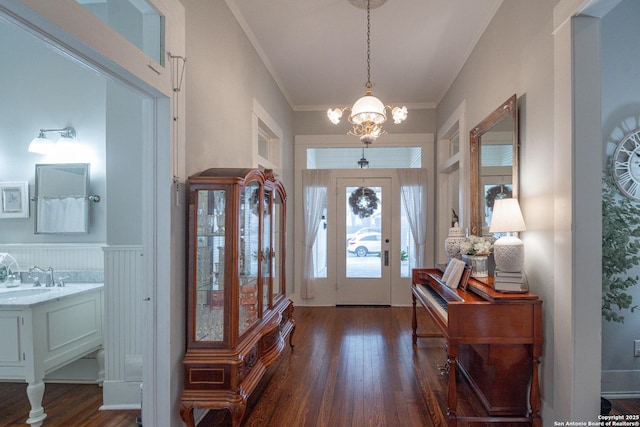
{"x":413,"y":191}
{"x":314,"y":196}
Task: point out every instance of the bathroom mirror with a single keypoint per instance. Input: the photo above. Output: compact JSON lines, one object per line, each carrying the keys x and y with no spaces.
{"x":62,"y":198}
{"x":494,"y":163}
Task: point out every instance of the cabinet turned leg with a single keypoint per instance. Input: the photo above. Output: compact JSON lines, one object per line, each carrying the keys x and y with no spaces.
{"x":237,"y":413}
{"x":186,"y":412}
{"x":291,"y":335}
{"x":35,"y":392}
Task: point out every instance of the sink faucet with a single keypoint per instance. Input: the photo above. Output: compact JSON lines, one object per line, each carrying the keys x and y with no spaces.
{"x":49,"y":281}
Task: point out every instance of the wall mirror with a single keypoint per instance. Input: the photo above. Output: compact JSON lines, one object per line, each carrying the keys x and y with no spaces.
{"x":62,"y":198}
{"x":494,"y":163}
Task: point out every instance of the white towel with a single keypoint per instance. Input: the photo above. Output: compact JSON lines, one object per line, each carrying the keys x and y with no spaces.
{"x":64,"y":215}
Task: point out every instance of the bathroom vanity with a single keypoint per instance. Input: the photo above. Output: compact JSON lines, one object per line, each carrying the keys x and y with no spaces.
{"x":43,"y":329}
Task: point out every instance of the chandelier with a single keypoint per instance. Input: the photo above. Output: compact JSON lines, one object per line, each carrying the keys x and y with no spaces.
{"x":368,"y":113}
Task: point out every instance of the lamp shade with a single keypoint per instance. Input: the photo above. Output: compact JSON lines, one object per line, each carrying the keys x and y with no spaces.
{"x":508,"y":251}
{"x":41,"y":145}
{"x":368,"y":109}
{"x":506,"y":217}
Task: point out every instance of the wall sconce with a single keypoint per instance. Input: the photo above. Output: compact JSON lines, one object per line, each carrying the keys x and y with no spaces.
{"x":43,"y":145}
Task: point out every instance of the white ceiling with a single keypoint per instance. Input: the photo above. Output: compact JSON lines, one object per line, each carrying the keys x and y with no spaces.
{"x":316,"y":49}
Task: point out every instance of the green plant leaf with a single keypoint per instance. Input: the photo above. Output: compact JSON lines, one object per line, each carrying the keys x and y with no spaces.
{"x":620,"y":250}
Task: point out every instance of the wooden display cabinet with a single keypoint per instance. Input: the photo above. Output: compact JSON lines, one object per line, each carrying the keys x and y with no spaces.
{"x":238,"y":316}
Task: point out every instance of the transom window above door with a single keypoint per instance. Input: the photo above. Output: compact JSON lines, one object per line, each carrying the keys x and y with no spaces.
{"x":378,"y":157}
{"x":136,"y":20}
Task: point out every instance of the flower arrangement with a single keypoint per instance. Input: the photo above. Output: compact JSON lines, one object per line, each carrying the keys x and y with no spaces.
{"x":476,"y":245}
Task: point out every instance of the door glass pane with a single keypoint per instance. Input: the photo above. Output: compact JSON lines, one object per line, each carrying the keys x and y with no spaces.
{"x":364,"y":244}
{"x":210,"y":277}
{"x":249,"y":253}
{"x":265,"y":254}
{"x":278,"y":245}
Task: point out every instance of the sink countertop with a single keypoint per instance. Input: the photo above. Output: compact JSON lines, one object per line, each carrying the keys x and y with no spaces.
{"x":23,"y":298}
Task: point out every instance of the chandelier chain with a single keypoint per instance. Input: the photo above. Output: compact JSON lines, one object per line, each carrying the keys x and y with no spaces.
{"x":368,"y":85}
{"x":368,"y":113}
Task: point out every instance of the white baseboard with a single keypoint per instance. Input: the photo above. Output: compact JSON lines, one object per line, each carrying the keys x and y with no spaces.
{"x":614,"y":396}
{"x":119,"y":407}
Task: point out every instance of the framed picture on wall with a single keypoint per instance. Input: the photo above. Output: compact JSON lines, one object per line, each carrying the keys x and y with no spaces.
{"x":14,"y":199}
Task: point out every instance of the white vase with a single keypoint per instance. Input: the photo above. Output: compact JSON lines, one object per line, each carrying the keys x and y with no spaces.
{"x":452,"y":242}
{"x":479,"y":264}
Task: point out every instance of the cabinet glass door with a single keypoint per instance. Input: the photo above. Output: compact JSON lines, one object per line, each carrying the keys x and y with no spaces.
{"x":278,"y":246}
{"x":209,"y":274}
{"x":266,"y":249}
{"x":249,"y":255}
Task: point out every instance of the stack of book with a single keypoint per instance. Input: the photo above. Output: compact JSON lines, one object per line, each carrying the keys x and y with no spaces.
{"x":506,"y":281}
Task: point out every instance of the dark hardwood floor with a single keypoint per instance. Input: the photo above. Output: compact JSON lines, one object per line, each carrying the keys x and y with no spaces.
{"x":351,"y":366}
{"x":68,"y":405}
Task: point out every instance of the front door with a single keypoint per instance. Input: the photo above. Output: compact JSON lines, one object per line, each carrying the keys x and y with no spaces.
{"x":363,"y":226}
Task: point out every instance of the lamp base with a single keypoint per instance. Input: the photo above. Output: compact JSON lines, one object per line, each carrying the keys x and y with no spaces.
{"x":508,"y":252}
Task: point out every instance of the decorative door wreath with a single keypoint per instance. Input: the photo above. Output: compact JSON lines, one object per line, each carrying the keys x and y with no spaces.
{"x":363,"y":202}
{"x":497,"y":192}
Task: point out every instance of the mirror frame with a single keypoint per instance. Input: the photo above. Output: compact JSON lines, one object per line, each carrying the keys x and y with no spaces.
{"x":84,"y":169}
{"x":507,"y":109}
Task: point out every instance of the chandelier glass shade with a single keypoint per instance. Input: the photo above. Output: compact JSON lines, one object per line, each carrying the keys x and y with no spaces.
{"x":368,"y":113}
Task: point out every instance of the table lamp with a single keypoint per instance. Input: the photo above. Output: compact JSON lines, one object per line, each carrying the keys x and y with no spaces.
{"x":508,"y":250}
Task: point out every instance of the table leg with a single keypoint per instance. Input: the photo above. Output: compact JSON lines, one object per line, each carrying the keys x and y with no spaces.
{"x":452,"y":393}
{"x":35,"y":393}
{"x":414,"y":320}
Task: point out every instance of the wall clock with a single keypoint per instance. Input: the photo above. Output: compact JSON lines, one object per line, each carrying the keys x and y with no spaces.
{"x":625,"y":164}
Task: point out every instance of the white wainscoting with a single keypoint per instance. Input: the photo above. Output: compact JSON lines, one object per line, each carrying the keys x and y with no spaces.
{"x":124,"y":326}
{"x":60,"y":256}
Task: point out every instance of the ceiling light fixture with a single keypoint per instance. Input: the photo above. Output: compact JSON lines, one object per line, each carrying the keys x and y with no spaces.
{"x":368,"y":113}
{"x":43,"y":145}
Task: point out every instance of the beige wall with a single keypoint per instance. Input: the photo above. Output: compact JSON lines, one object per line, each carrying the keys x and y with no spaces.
{"x":223,"y":75}
{"x":515,"y":55}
